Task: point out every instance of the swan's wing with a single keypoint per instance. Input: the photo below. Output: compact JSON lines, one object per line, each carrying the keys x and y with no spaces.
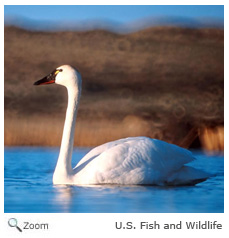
{"x":104,"y":147}
{"x":136,"y":160}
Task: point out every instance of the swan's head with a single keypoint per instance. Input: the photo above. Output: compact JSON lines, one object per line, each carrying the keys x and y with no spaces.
{"x":64,"y":75}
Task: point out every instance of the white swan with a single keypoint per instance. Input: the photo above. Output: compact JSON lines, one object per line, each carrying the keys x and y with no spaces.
{"x":136,"y":160}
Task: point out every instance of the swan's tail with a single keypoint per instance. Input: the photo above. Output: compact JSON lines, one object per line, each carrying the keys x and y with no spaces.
{"x":187,"y":176}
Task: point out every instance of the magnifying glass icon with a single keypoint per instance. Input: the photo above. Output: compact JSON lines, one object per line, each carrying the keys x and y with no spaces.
{"x":13,"y":223}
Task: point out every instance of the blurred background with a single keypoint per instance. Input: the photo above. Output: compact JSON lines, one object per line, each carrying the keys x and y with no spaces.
{"x":154,"y":71}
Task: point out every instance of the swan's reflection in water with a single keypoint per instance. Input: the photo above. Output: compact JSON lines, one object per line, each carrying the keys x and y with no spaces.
{"x":111,"y":198}
{"x":63,"y":196}
{"x":102,"y":198}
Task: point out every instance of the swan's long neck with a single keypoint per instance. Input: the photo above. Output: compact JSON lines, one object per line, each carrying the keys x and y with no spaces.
{"x":63,"y":167}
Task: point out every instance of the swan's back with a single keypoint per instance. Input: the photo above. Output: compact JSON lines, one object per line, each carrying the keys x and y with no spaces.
{"x":135,"y":160}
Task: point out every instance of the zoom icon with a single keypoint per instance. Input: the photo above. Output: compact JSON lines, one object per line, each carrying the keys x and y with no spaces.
{"x":13,"y":223}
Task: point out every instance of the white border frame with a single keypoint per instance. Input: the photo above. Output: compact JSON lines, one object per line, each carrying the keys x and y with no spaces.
{"x":103,"y":225}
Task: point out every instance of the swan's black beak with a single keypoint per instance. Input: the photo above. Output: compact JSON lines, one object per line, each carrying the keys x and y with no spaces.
{"x":46,"y":80}
{"x":49,"y":78}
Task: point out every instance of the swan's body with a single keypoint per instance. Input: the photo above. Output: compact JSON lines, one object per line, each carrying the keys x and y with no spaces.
{"x":136,"y":160}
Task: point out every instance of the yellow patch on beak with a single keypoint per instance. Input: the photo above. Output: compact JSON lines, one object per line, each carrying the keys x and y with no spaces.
{"x":57,"y":71}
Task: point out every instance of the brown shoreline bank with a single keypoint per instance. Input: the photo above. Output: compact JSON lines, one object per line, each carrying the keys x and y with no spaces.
{"x":48,"y":132}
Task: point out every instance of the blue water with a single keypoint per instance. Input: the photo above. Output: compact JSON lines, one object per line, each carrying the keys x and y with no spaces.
{"x":29,"y":188}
